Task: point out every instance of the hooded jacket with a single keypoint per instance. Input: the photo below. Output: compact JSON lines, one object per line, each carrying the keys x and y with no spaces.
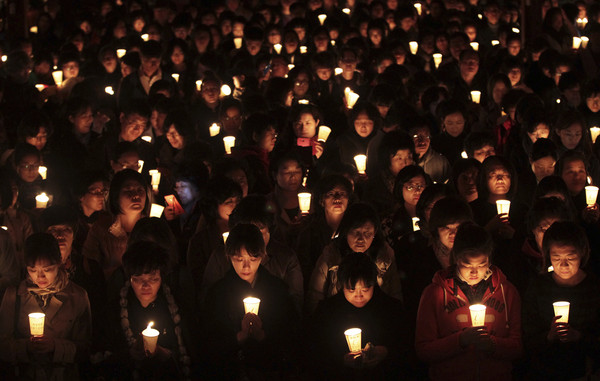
{"x":444,"y":314}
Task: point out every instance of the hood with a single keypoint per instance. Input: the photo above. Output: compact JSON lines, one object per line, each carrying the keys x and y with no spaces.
{"x":445,"y":279}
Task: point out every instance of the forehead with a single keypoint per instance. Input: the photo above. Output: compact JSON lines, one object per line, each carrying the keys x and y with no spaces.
{"x":475,"y":260}
{"x":131,"y":183}
{"x":366,"y":226}
{"x":557,"y":249}
{"x":289,"y":165}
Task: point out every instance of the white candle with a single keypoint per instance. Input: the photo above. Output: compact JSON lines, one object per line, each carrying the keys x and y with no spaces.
{"x":150,"y":337}
{"x":145,"y":37}
{"x":591,"y":195}
{"x":4,"y":58}
{"x":495,"y":42}
{"x":595,"y":131}
{"x":322,"y":18}
{"x":40,"y":87}
{"x":57,"y":75}
{"x":562,"y":309}
{"x":351,"y":98}
{"x":225,"y":91}
{"x":516,"y":30}
{"x":4,"y":227}
{"x":338,"y":71}
{"x":332,"y":42}
{"x":354,"y":339}
{"x":304,"y":202}
{"x":214,"y":129}
{"x":475,"y":46}
{"x":464,"y":155}
{"x":576,"y":42}
{"x":346,"y":11}
{"x":303,"y":49}
{"x":251,"y":305}
{"x":229,"y":142}
{"x":477,"y":315}
{"x":584,"y":41}
{"x":36,"y":324}
{"x":437,"y":59}
{"x":324,"y":132}
{"x":121,"y":52}
{"x":303,"y":101}
{"x":140,"y":165}
{"x":175,"y":77}
{"x":291,"y":66}
{"x":155,"y":176}
{"x":361,"y":163}
{"x":503,"y":206}
{"x":414,"y":47}
{"x":109,"y":90}
{"x":147,"y":138}
{"x":199,"y":85}
{"x":237,"y":42}
{"x":277,"y":48}
{"x":225,"y":236}
{"x":476,"y":96}
{"x":419,"y":8}
{"x":156,"y":210}
{"x":41,"y":200}
{"x":415,"y":223}
{"x":43,"y":171}
{"x":33,"y":29}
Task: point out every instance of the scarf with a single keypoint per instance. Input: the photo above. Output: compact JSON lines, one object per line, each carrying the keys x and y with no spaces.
{"x":43,"y":295}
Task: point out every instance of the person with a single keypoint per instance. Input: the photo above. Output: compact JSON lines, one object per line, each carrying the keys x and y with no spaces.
{"x":129,"y":199}
{"x":433,"y":163}
{"x":464,"y":178}
{"x":551,"y":343}
{"x":147,"y":297}
{"x":362,"y":305}
{"x":89,"y":191}
{"x":259,"y":343}
{"x":359,"y":232}
{"x":67,"y":325}
{"x":445,"y":337}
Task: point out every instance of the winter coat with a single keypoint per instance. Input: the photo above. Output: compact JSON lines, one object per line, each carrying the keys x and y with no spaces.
{"x":444,"y":314}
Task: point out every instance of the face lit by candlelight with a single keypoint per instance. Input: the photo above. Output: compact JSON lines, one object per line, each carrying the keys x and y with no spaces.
{"x":363,"y":125}
{"x":28,"y":168}
{"x":43,"y":273}
{"x":574,"y":173}
{"x":82,"y":121}
{"x":146,"y":286}
{"x":38,"y":141}
{"x":361,"y":238}
{"x":306,"y":126}
{"x":359,"y":295}
{"x":245,"y":265}
{"x":175,"y":139}
{"x":64,"y":235}
{"x":566,"y":261}
{"x":473,"y":269}
{"x":132,"y":126}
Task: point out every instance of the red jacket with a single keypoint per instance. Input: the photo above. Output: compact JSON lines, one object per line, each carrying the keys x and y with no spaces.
{"x":444,"y":313}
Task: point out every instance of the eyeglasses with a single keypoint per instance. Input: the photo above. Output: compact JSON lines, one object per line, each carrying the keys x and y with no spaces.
{"x":414,"y":187}
{"x":55,"y":231}
{"x":421,"y":137}
{"x":98,"y":192}
{"x":30,"y":167}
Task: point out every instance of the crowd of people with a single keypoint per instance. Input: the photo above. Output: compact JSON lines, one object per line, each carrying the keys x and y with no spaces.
{"x":386,"y":165}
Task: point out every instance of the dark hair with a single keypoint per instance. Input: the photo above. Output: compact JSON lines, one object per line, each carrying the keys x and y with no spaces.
{"x":77,"y":105}
{"x":117,"y":184}
{"x":487,"y":167}
{"x":247,"y":236}
{"x":372,"y":114}
{"x":42,"y":246}
{"x":460,"y":166}
{"x":477,"y":140}
{"x":551,"y":184}
{"x":357,"y":267}
{"x":569,"y":157}
{"x":404,"y":176}
{"x":151,"y":49}
{"x":138,"y":107}
{"x":356,"y":216}
{"x":218,"y":190}
{"x":447,"y":211}
{"x":83,"y":181}
{"x":132,"y":59}
{"x":145,"y":257}
{"x":155,"y":230}
{"x":31,"y":123}
{"x":122,"y":148}
{"x":256,"y":124}
{"x":545,"y":208}
{"x":566,"y":233}
{"x":182,"y":123}
{"x":543,"y":148}
{"x":59,"y":215}
{"x":429,"y":195}
{"x":253,"y":209}
{"x":590,"y":89}
{"x":329,"y":182}
{"x":471,"y":240}
{"x":22,"y":150}
{"x":394,"y":141}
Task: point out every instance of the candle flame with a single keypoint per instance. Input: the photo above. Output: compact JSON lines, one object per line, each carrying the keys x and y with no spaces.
{"x":150,"y":325}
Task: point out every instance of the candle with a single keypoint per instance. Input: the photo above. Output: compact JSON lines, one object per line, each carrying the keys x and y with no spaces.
{"x":33,"y":29}
{"x":57,"y":75}
{"x":156,"y":210}
{"x":4,"y":227}
{"x":516,"y":30}
{"x":237,"y":42}
{"x":582,"y":22}
{"x":591,"y":195}
{"x":41,"y":200}
{"x":229,"y":142}
{"x":480,"y":16}
{"x":251,"y":305}
{"x":322,"y":18}
{"x":495,"y":42}
{"x":338,"y":71}
{"x":584,"y":41}
{"x":225,"y":91}
{"x":351,"y":98}
{"x":43,"y":171}
{"x":550,"y":269}
{"x":155,"y":176}
{"x":503,"y":206}
{"x":291,"y":66}
{"x":303,"y":49}
{"x":36,"y":324}
{"x":304,"y":202}
{"x":40,"y":87}
{"x":464,"y":155}
{"x":145,"y":37}
{"x":595,"y":131}
{"x":109,"y":90}
{"x":175,"y":77}
{"x":4,"y":58}
{"x":277,"y":48}
{"x":199,"y":85}
{"x":414,"y":47}
{"x":346,"y":11}
{"x":437,"y":59}
{"x":324,"y":132}
{"x":140,"y":165}
{"x":476,"y":96}
{"x":150,"y":337}
{"x":225,"y":236}
{"x":354,"y":339}
{"x":332,"y":42}
{"x":475,"y":46}
{"x":361,"y":163}
{"x":477,"y":315}
{"x":214,"y":129}
{"x":121,"y":52}
{"x":562,"y":309}
{"x":576,"y":42}
{"x":589,"y":180}
{"x":419,"y":8}
{"x":303,"y":101}
{"x":415,"y":223}
{"x":147,"y":138}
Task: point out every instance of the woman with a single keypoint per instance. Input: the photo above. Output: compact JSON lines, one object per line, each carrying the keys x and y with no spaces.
{"x":359,"y":232}
{"x":242,"y":342}
{"x":27,"y":162}
{"x":464,"y":178}
{"x":129,"y":199}
{"x":178,"y":61}
{"x":145,"y":298}
{"x":445,"y":337}
{"x":362,"y":305}
{"x":542,"y":162}
{"x":549,"y":342}
{"x":67,"y":326}
{"x":180,"y":134}
{"x":332,"y":199}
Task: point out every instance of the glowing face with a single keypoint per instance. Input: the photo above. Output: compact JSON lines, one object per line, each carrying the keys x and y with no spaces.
{"x":268,"y":139}
{"x":543,"y":167}
{"x":454,"y":124}
{"x":422,"y":140}
{"x":186,"y":191}
{"x":541,"y":131}
{"x":70,"y":70}
{"x":499,"y":181}
{"x":28,"y":168}
{"x":566,"y":261}
{"x":39,"y":141}
{"x":473,"y":269}
{"x":146,"y":286}
{"x":399,"y":160}
{"x":306,"y":126}
{"x":93,"y":199}
{"x":411,"y":191}
{"x":177,"y":56}
{"x":363,"y":125}
{"x":335,"y":202}
{"x":593,"y":103}
{"x":483,"y":153}
{"x":575,"y":174}
{"x":571,"y":136}
{"x":245,"y":265}
{"x":540,"y":230}
{"x":324,"y":73}
{"x":515,"y":76}
{"x":150,"y":65}
{"x":225,"y":209}
{"x":132,"y":126}
{"x":360,"y":239}
{"x":176,"y":140}
{"x":467,"y":184}
{"x":358,"y":296}
{"x":43,"y":274}
{"x":289,"y":175}
{"x":132,"y":197}
{"x":447,"y":234}
{"x":82,"y":122}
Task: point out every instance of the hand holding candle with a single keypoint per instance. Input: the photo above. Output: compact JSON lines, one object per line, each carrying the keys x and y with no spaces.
{"x":561,"y":309}
{"x":304,"y":202}
{"x":150,"y":337}
{"x":503,"y":206}
{"x":229,"y":142}
{"x":591,"y":195}
{"x":324,"y":132}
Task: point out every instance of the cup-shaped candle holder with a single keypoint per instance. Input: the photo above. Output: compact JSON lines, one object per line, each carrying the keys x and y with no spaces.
{"x":562,"y":309}
{"x":354,"y":339}
{"x":477,"y":314}
{"x":251,"y":305}
{"x":36,"y":324}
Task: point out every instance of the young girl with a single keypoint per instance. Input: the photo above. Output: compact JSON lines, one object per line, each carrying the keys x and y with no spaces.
{"x":445,"y":337}
{"x":450,"y":141}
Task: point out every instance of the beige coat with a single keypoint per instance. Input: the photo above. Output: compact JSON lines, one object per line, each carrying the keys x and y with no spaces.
{"x":68,"y":321}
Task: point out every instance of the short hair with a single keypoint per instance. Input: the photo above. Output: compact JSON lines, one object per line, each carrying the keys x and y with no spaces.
{"x":22,"y":150}
{"x":461,"y":166}
{"x":256,"y":124}
{"x":545,"y":208}
{"x":477,"y":140}
{"x":590,"y":89}
{"x":253,"y":209}
{"x":42,"y":246}
{"x":218,"y":190}
{"x":569,"y":157}
{"x":372,"y":114}
{"x":329,"y":182}
{"x":357,"y":267}
{"x":132,"y":58}
{"x":405,"y":175}
{"x":59,"y":215}
{"x":430,"y":194}
{"x":447,"y":211}
{"x":181,"y":121}
{"x":138,"y":107}
{"x":323,"y":60}
{"x":122,"y":148}
{"x":449,"y":107}
{"x":394,"y":141}
{"x":151,"y":49}
{"x":551,"y":184}
{"x":356,"y":216}
{"x":156,"y":230}
{"x":543,"y":148}
{"x":471,"y":240}
{"x":145,"y":257}
{"x":487,"y":166}
{"x":566,"y":233}
{"x":77,"y":105}
{"x":31,"y":123}
{"x":247,"y":236}
{"x":83,"y":181}
{"x":117,"y":184}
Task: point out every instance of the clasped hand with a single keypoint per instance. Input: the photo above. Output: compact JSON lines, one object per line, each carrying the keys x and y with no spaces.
{"x":562,"y":332}
{"x":479,"y":337}
{"x":251,"y":327}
